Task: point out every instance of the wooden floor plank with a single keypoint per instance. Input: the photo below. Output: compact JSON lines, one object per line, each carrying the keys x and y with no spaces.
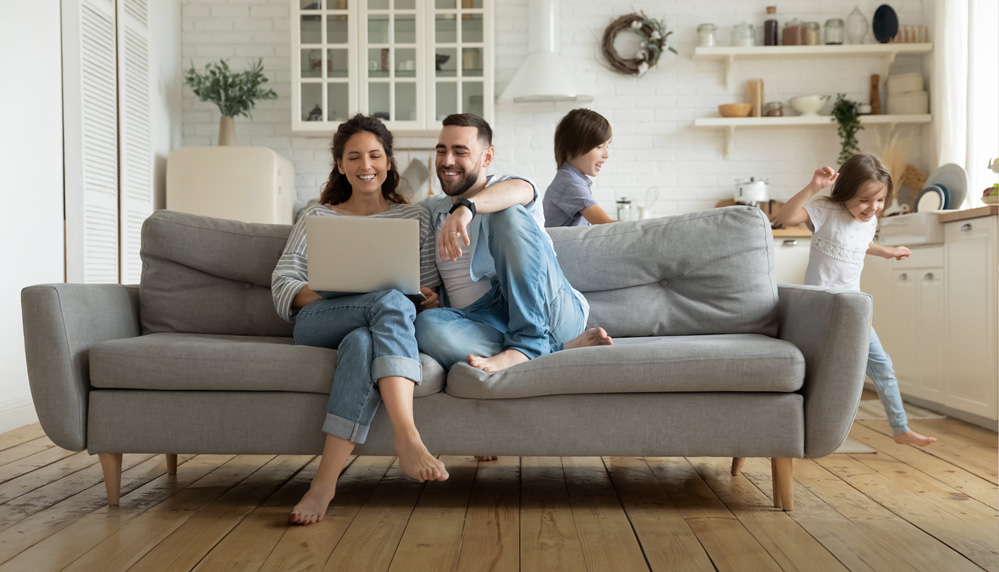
{"x":308,"y":548}
{"x":951,"y":446}
{"x":666,"y":539}
{"x":45,"y":474}
{"x":433,"y":537}
{"x":20,"y":435}
{"x":50,"y":519}
{"x":965,"y":525}
{"x":491,"y":535}
{"x":783,"y":538}
{"x":22,"y":450}
{"x":27,"y":464}
{"x":605,"y":533}
{"x":223,"y":496}
{"x":548,"y":538}
{"x":373,"y":535}
{"x":935,"y":468}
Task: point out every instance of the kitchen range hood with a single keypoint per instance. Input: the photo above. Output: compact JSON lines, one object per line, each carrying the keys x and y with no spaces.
{"x":543,"y":75}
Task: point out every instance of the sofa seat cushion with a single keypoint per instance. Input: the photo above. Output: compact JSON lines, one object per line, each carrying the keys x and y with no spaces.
{"x":207,"y":362}
{"x":728,"y":362}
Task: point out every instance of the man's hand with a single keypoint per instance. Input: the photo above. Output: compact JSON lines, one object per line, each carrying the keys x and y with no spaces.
{"x":431,"y":301}
{"x":454,"y":233}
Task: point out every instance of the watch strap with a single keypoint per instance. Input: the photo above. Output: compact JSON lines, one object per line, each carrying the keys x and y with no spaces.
{"x":463,"y":202}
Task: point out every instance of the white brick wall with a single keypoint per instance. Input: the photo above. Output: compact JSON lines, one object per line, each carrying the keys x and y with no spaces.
{"x":654,"y":144}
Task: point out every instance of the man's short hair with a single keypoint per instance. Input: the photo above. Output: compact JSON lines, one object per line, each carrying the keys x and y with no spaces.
{"x":471,"y":120}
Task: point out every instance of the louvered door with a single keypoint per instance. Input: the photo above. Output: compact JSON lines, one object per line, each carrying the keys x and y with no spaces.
{"x":135,"y":183}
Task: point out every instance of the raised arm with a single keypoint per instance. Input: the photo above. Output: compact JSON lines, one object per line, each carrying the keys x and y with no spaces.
{"x":793,"y":212}
{"x":498,"y":196}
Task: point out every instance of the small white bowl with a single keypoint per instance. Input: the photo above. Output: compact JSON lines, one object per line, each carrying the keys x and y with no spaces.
{"x":809,"y":104}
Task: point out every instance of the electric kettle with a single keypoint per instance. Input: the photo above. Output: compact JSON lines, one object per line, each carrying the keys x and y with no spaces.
{"x":752,"y":191}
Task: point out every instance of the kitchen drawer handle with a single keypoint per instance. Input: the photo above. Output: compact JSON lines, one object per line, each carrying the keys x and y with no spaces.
{"x":965,"y":227}
{"x":928,"y":276}
{"x":903,"y":276}
{"x":790,"y":242}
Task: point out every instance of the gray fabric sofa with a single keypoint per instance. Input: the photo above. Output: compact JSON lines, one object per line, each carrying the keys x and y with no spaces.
{"x":711,"y":357}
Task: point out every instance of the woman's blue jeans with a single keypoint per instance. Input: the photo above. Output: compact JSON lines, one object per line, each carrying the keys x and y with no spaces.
{"x":374,"y":337}
{"x":881,"y":372}
{"x":531,"y":307}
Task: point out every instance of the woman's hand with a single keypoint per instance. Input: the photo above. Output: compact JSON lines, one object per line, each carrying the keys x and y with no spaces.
{"x":431,"y":301}
{"x":824,"y":177}
{"x":454,"y":233}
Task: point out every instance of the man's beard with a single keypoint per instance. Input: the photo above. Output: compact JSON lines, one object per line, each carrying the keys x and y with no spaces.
{"x":461,"y":186}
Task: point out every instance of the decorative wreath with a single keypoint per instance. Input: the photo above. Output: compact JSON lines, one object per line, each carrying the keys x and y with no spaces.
{"x":653,"y":36}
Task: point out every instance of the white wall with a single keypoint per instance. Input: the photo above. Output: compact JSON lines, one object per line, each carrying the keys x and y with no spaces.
{"x":167,"y":86}
{"x":654,"y":144}
{"x":31,"y":221}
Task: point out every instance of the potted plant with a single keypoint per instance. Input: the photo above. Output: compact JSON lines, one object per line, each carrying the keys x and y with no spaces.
{"x":847,"y":115}
{"x":233,"y":92}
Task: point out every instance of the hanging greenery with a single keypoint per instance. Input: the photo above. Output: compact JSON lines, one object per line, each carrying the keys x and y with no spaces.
{"x":652,"y":41}
{"x":234,"y":93}
{"x":848,"y":116}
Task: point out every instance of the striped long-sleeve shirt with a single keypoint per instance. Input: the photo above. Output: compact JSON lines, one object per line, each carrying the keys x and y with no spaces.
{"x":291,"y":272}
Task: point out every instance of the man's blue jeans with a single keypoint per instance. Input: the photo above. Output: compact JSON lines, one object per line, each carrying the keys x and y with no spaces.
{"x":881,"y":372}
{"x":531,"y":307}
{"x":374,"y":337}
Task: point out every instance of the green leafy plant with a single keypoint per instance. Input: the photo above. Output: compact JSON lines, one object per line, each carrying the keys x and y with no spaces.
{"x":233,"y":92}
{"x":848,"y":116}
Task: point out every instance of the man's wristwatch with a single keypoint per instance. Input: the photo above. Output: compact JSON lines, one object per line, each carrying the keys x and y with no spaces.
{"x":463,"y":202}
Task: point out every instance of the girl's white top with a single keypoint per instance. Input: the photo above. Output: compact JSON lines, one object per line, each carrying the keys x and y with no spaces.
{"x":839,"y":244}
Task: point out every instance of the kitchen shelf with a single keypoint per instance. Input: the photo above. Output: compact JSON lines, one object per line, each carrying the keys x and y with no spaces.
{"x":730,"y":124}
{"x":886,"y":52}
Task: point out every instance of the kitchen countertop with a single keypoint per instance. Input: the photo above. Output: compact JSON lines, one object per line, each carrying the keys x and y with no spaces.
{"x":800,"y":231}
{"x":986,"y":210}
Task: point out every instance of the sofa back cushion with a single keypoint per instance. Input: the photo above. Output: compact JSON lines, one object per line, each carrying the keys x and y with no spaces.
{"x":707,"y":272}
{"x":209,"y":276}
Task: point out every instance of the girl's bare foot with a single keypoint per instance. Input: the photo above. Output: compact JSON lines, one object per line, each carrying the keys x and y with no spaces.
{"x":417,"y":462}
{"x":499,"y":362}
{"x":910,"y":437}
{"x":312,"y":508}
{"x":591,"y":337}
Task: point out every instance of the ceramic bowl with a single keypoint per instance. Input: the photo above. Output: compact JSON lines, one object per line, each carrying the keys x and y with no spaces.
{"x":809,"y":104}
{"x":734,"y":109}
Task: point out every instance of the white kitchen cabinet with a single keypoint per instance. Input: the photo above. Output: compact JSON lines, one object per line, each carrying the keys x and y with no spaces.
{"x":971,"y":329}
{"x":791,"y":259}
{"x":408,"y":62}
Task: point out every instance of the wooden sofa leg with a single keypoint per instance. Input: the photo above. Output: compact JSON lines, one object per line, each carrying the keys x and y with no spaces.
{"x":737,"y":465}
{"x":171,"y":462}
{"x":111,"y":465}
{"x":783,"y":479}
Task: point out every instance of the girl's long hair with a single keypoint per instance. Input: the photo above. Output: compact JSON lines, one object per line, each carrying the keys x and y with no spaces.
{"x":856,"y":171}
{"x":337,"y":189}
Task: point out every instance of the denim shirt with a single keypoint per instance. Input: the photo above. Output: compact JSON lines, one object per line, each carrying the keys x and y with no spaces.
{"x":567,"y":195}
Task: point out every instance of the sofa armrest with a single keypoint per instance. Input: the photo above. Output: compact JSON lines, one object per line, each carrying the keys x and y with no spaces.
{"x":832,"y":329}
{"x":61,"y":323}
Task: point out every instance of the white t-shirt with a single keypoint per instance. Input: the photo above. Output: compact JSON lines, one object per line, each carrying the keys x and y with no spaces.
{"x":839,"y":244}
{"x":461,"y":289}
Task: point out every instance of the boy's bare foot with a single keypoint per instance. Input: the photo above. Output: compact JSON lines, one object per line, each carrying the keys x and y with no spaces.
{"x":416,"y":461}
{"x":486,"y":458}
{"x":910,"y":437}
{"x":312,"y":508}
{"x":499,"y":362}
{"x":591,"y":337}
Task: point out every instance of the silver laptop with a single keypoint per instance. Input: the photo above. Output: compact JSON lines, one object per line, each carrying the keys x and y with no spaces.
{"x":349,"y":254}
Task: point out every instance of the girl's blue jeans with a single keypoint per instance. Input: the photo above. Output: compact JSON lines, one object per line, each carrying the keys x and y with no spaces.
{"x":530,"y":308}
{"x":374,"y":337}
{"x":881,"y":372}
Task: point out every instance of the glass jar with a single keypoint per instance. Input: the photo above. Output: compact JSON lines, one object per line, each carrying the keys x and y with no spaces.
{"x":857,"y":26}
{"x":773,"y":109}
{"x":706,"y":35}
{"x":742,"y":34}
{"x":770,"y":27}
{"x":834,"y":31}
{"x":794,"y":33}
{"x":812,"y":34}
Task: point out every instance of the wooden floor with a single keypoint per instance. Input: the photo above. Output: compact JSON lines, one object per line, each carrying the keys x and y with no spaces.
{"x":899,"y":509}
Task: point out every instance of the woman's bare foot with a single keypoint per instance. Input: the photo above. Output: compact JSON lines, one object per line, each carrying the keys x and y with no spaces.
{"x":486,"y":458}
{"x":499,"y":362}
{"x":591,"y":337}
{"x":416,"y":461}
{"x":312,"y":508}
{"x":910,"y":437}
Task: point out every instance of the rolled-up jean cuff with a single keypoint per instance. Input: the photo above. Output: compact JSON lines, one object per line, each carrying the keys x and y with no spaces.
{"x":899,"y":429}
{"x":386,"y":366}
{"x":345,"y":429}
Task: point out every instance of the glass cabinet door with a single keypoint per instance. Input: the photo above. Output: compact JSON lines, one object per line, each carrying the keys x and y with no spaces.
{"x":392,"y":34}
{"x":459,"y":37}
{"x":326,"y":68}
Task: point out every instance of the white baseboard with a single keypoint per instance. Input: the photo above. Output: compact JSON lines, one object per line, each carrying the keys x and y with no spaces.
{"x":17,"y":413}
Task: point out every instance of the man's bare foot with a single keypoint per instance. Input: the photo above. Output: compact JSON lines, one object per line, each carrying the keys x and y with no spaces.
{"x":416,"y":461}
{"x":910,"y":437}
{"x":499,"y":362}
{"x":591,"y":337}
{"x":312,"y":508}
{"x":486,"y":458}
